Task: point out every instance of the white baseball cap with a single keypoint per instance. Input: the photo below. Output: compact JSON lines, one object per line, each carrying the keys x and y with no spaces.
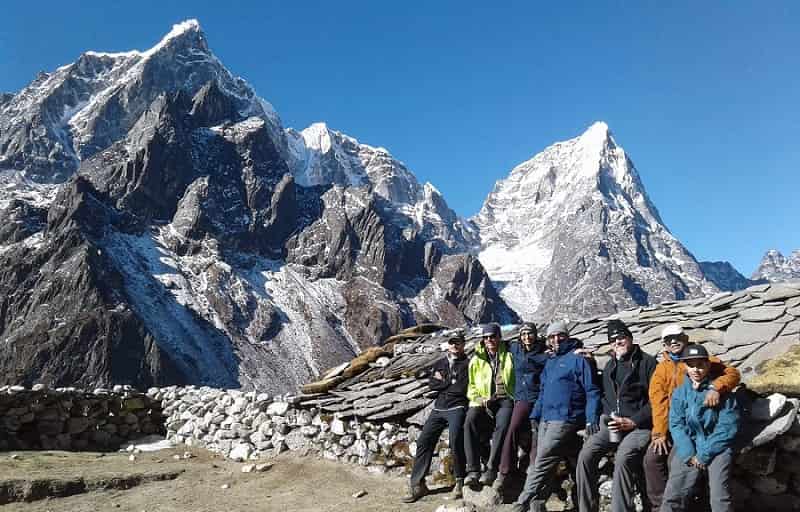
{"x":671,"y":330}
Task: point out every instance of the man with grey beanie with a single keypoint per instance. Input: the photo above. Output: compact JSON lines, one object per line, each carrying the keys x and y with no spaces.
{"x":568,"y":401}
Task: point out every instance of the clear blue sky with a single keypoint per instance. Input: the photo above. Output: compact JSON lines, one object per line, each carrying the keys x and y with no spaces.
{"x":704,"y":96}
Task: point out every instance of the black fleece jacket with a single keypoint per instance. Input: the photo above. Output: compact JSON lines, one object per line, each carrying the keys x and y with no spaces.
{"x":452,"y":387}
{"x":631,"y":398}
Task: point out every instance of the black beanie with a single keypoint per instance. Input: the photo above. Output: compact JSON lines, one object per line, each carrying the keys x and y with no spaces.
{"x":617,"y":327}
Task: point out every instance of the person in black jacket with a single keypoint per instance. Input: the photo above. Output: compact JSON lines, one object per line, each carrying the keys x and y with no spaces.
{"x":450,"y":376}
{"x":529,"y":360}
{"x":625,"y":424}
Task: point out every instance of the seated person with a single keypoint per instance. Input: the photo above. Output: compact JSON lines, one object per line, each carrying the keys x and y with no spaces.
{"x":449,"y":377}
{"x":703,"y":437}
{"x":568,"y":400}
{"x":529,"y":360}
{"x":624,"y":427}
{"x":670,"y":374}
{"x":490,"y":393}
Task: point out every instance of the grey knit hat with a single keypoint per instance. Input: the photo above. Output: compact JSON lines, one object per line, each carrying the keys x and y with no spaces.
{"x":557,"y":327}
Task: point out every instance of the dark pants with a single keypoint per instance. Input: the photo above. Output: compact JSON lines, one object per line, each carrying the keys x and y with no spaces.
{"x":683,"y":478}
{"x":479,"y":426}
{"x":656,"y":472}
{"x":556,"y":441}
{"x":518,"y":431}
{"x":627,"y":468}
{"x":426,"y":443}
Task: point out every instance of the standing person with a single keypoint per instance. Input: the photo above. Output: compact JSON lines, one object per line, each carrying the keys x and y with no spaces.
{"x":568,"y":400}
{"x":703,"y":437}
{"x":624,"y":427}
{"x":529,"y":360}
{"x":670,"y":374}
{"x":450,"y":379}
{"x":491,"y":402}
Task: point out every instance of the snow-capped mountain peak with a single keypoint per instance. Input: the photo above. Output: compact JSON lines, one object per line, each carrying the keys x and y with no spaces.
{"x":64,"y":117}
{"x":776,"y":267}
{"x":556,"y":221}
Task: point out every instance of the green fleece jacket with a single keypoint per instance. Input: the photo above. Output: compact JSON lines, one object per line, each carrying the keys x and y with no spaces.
{"x":480,"y":374}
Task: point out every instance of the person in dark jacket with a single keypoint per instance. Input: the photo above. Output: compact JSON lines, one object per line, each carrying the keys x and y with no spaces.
{"x":491,"y":402}
{"x":703,"y":436}
{"x":449,"y":377}
{"x":624,"y":427}
{"x":568,"y":400}
{"x":529,"y":360}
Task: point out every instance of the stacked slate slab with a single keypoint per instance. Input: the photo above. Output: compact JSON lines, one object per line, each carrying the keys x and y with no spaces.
{"x":747,"y":329}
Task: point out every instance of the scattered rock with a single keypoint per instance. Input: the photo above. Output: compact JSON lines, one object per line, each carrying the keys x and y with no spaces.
{"x":248,"y":468}
{"x":360,"y":494}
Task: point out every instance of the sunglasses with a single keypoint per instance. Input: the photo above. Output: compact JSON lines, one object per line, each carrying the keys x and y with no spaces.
{"x":456,"y":342}
{"x":617,"y":337}
{"x":673,"y":340}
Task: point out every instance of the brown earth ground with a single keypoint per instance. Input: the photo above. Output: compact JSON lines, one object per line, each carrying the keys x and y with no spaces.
{"x":156,"y":482}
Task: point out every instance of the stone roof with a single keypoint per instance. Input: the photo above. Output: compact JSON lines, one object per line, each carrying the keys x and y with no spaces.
{"x":753,"y":329}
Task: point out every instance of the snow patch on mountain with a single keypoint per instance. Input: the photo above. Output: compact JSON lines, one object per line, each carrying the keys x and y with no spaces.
{"x":576,"y":209}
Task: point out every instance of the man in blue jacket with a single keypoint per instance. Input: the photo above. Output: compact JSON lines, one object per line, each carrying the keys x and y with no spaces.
{"x":703,"y":437}
{"x":568,"y":401}
{"x":624,"y":427}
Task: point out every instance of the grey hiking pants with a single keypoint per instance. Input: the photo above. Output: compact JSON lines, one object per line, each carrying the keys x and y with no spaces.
{"x":627,"y":468}
{"x":555,"y":441}
{"x":682,"y":478}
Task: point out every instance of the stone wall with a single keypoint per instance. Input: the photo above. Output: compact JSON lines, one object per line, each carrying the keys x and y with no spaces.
{"x":250,"y":426}
{"x":70,"y":419}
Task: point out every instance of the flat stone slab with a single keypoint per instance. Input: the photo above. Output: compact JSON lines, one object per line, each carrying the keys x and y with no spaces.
{"x":705,"y":335}
{"x":763,"y":313}
{"x":780,"y":292}
{"x":739,"y":353}
{"x":401,"y":408}
{"x":747,"y":333}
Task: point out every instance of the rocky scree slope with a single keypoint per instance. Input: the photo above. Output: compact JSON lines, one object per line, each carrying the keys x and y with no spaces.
{"x":196,"y":244}
{"x":572,"y":232}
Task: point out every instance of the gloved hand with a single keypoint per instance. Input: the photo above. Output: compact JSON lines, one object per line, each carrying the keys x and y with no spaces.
{"x":592,"y":429}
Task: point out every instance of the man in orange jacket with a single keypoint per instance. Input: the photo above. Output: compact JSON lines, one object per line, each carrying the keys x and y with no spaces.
{"x":668,"y":375}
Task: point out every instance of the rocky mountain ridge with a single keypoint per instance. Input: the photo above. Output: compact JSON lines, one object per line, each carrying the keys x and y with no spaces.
{"x":776,"y":267}
{"x":192,"y":246}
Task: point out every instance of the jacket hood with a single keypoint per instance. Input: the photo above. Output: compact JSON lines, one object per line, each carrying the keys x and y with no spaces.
{"x":568,"y":345}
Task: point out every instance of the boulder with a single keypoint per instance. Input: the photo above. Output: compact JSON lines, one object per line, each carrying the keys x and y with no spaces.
{"x":241,"y":452}
{"x":768,"y":408}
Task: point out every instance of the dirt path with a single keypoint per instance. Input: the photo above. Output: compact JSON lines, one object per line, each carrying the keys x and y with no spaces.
{"x":292,"y":484}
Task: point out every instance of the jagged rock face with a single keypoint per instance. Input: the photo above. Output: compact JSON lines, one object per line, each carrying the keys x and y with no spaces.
{"x":321,"y":156}
{"x":82,"y":108}
{"x":572,"y":233}
{"x":775,"y":267}
{"x":724,"y":276}
{"x":191,"y":248}
{"x":62,"y":311}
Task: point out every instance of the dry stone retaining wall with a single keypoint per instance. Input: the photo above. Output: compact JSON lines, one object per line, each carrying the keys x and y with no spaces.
{"x":70,"y":419}
{"x":250,"y":426}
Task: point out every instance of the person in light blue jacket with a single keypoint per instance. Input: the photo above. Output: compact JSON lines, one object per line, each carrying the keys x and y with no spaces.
{"x":703,"y":438}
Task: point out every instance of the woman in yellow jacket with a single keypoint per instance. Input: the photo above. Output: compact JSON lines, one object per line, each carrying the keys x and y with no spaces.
{"x":491,"y":401}
{"x":668,"y":375}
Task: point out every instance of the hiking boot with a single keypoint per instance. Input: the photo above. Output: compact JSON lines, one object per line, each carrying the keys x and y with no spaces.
{"x":488,"y":477}
{"x":472,"y":479}
{"x":458,"y":490}
{"x":415,"y":492}
{"x":498,"y":484}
